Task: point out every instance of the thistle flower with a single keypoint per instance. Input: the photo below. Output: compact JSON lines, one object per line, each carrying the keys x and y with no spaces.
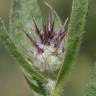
{"x":48,"y":53}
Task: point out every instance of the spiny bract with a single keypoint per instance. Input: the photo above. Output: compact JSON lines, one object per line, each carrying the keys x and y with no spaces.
{"x":48,"y":54}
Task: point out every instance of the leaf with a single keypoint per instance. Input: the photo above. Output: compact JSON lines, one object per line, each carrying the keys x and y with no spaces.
{"x":36,"y":85}
{"x":24,"y":64}
{"x":75,"y":33}
{"x":55,"y":16}
{"x":90,"y":89}
{"x":22,"y":12}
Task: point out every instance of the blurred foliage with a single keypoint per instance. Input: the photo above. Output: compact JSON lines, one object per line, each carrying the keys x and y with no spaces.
{"x":12,"y":82}
{"x":91,"y":85}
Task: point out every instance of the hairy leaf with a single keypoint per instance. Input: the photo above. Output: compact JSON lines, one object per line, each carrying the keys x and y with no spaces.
{"x":36,"y":85}
{"x":21,"y":19}
{"x":24,"y":64}
{"x":75,"y":32}
{"x":54,"y":15}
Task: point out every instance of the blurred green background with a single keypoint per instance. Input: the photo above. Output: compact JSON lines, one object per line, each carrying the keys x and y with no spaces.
{"x":12,"y":82}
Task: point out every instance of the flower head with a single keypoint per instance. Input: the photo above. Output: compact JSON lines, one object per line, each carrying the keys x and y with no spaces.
{"x":48,"y":47}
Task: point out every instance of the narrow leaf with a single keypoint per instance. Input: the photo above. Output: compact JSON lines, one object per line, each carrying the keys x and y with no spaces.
{"x":36,"y":85}
{"x":75,"y":32}
{"x":22,"y":12}
{"x":24,"y":64}
{"x":55,"y":16}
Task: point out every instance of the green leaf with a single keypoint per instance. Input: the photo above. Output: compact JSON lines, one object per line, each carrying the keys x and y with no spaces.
{"x":24,"y":64}
{"x":90,"y":89}
{"x":55,"y":16}
{"x":36,"y":85}
{"x":75,"y":33}
{"x":22,"y":12}
{"x":48,"y":10}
